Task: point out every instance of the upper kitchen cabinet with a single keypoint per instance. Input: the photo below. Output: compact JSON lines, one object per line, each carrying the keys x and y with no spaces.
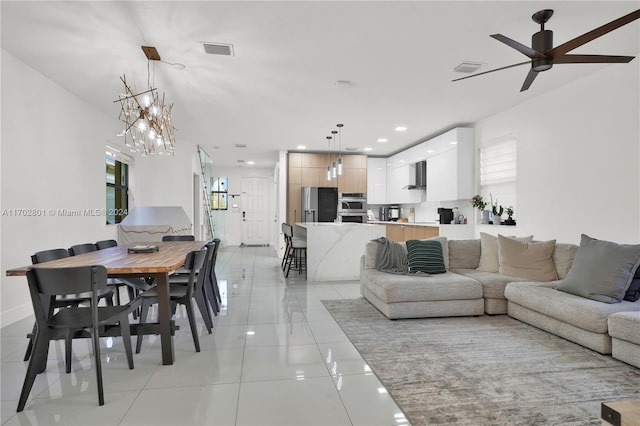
{"x":450,"y":169}
{"x":376,"y":180}
{"x":398,"y":179}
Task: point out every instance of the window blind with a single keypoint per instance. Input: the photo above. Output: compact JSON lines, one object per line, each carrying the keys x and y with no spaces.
{"x":498,"y":173}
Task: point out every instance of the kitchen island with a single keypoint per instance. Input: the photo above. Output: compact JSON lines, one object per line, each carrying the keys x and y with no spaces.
{"x":334,"y":249}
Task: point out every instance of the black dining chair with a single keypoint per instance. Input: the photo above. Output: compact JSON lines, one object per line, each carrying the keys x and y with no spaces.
{"x":46,"y":285}
{"x":66,"y":300}
{"x":211,"y":283}
{"x":82,"y":248}
{"x":178,"y":238}
{"x":180,"y":293}
{"x":104,"y":244}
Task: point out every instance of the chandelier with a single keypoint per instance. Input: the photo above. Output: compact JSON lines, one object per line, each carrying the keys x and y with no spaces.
{"x":147,"y":118}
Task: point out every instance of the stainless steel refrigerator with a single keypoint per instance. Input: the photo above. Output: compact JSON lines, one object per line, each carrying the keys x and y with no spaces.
{"x":319,"y":204}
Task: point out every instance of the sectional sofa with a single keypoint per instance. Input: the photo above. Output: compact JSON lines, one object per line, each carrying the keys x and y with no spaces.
{"x":476,"y":282}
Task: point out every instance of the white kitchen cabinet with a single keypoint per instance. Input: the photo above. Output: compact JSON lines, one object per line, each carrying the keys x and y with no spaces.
{"x":376,"y":180}
{"x":397,"y":180}
{"x":450,"y":172}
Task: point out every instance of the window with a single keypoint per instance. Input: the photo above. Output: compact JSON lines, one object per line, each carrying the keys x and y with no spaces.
{"x":117,"y":190}
{"x":219,"y":193}
{"x":498,"y":172}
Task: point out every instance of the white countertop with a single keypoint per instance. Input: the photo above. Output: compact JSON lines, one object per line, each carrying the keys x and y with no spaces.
{"x":380,"y":222}
{"x":319,"y":224}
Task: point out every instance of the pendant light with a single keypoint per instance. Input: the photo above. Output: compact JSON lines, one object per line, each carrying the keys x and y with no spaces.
{"x":340,"y":149}
{"x":334,"y":166}
{"x":329,"y":166}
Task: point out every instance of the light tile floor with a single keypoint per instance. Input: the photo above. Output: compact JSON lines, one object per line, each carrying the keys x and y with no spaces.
{"x":276,"y":357}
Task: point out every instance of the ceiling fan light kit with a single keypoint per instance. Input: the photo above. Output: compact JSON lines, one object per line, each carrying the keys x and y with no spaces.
{"x":543,"y":55}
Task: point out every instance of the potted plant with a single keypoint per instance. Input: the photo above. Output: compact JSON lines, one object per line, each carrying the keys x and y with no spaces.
{"x":509,"y":220}
{"x":480,"y":204}
{"x":497,"y":211}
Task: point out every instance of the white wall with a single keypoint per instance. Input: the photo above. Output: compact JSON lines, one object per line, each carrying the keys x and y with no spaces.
{"x":578,"y":157}
{"x":53,"y":157}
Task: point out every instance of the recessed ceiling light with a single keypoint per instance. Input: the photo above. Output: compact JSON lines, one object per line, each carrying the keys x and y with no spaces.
{"x":454,"y":143}
{"x":344,"y":84}
{"x":468,"y":67}
{"x":302,"y":147}
{"x":400,"y":128}
{"x":367,"y":149}
{"x":429,"y":151}
{"x":251,"y":163}
{"x":383,"y":140}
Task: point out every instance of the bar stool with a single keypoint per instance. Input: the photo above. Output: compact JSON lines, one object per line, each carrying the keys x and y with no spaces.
{"x":295,"y":253}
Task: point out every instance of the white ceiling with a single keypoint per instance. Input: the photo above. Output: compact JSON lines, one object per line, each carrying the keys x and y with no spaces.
{"x":278,"y":91}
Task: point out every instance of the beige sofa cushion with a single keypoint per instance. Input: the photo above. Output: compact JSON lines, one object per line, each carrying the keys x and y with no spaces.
{"x":563,"y":256}
{"x":526,"y":260}
{"x":392,"y":288}
{"x":583,"y":313}
{"x":493,"y":285}
{"x":625,"y":326}
{"x":489,"y":251}
{"x":464,"y":254}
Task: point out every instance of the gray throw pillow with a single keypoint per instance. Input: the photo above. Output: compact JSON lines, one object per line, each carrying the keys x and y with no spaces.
{"x":425,"y":256}
{"x":601,"y":270}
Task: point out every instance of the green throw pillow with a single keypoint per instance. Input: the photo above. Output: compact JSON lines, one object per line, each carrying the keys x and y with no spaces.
{"x":425,"y":256}
{"x":601,"y":270}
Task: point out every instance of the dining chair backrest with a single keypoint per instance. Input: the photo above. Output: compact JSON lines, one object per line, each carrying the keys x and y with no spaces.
{"x":69,"y":280}
{"x":288,"y":230}
{"x":193,"y":262}
{"x":82,"y":248}
{"x":48,"y":255}
{"x":103,"y":244}
{"x":178,"y":238}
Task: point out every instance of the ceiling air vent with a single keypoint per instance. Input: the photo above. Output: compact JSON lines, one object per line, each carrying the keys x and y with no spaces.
{"x":468,"y":67}
{"x":351,"y":148}
{"x":240,"y":161}
{"x":218,"y":49}
{"x":241,"y":145}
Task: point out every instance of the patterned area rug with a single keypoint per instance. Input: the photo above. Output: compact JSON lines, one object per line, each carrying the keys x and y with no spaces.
{"x":489,"y":370}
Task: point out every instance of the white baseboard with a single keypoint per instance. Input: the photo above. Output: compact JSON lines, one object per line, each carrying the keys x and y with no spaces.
{"x":15,"y":314}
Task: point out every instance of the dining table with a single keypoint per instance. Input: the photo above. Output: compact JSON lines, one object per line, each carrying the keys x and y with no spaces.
{"x":121,"y":262}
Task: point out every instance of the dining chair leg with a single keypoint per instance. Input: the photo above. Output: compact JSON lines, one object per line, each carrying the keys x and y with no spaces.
{"x":38,"y":359}
{"x":142,"y":318}
{"x":125,"y":331}
{"x":67,"y":350}
{"x":204,"y":310}
{"x":192,"y":324}
{"x":96,"y":353}
{"x":29,"y":349}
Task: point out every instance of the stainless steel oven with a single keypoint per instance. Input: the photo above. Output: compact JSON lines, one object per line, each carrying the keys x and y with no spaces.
{"x":352,"y":202}
{"x":352,"y":217}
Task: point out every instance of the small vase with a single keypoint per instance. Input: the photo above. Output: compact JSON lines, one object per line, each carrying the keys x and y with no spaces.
{"x":485,"y":217}
{"x":496,"y":219}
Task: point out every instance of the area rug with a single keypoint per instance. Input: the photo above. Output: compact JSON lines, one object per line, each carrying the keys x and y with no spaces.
{"x":489,"y":370}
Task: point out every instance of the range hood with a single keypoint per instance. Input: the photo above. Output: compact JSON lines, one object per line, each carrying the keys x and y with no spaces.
{"x":420,"y":176}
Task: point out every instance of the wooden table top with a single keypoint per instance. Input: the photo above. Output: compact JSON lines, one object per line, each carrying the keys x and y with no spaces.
{"x":117,"y":260}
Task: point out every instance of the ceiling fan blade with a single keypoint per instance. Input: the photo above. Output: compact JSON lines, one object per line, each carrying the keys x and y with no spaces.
{"x":529,"y":79}
{"x":592,"y":59}
{"x":526,"y":50}
{"x":497,"y":69}
{"x":593,"y":34}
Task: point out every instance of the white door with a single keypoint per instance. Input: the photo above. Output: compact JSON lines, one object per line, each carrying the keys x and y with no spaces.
{"x":256,"y":210}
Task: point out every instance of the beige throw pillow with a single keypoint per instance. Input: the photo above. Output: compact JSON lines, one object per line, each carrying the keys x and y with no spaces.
{"x":532,"y":261}
{"x":489,"y":252}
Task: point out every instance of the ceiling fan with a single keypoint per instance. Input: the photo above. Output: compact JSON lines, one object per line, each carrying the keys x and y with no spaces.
{"x":543,"y":55}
